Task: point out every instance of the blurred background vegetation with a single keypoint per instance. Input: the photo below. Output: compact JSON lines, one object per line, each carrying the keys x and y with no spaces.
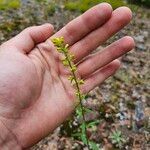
{"x":125,"y":96}
{"x":29,"y":12}
{"x":81,"y":5}
{"x":8,"y":4}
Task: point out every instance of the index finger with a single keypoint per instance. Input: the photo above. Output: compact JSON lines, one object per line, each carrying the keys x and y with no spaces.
{"x":84,"y":24}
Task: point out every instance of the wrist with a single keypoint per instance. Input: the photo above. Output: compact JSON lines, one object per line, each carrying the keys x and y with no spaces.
{"x":8,"y":140}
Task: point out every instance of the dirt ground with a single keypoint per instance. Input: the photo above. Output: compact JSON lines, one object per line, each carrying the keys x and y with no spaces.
{"x":121,"y":103}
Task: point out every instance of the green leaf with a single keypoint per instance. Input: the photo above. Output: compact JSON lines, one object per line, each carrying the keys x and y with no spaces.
{"x":93,"y":145}
{"x":83,"y":127}
{"x":76,"y":135}
{"x":93,"y":123}
{"x":79,"y":111}
{"x":118,"y":133}
{"x":87,"y":110}
{"x":83,"y":138}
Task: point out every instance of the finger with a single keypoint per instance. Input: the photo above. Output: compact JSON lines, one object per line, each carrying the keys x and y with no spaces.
{"x":98,"y":77}
{"x":109,"y":54}
{"x":82,"y":25}
{"x":120,"y":17}
{"x":28,"y":38}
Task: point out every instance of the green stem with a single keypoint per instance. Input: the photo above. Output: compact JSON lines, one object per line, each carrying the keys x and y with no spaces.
{"x":63,"y":48}
{"x":79,"y":97}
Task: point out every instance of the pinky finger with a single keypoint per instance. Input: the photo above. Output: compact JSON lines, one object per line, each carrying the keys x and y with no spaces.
{"x":101,"y":75}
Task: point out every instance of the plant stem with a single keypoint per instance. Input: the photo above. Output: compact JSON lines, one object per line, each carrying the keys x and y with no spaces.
{"x":79,"y":97}
{"x":68,"y":61}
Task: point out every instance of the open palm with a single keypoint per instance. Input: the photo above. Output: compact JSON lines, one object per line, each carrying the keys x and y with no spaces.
{"x":35,"y":94}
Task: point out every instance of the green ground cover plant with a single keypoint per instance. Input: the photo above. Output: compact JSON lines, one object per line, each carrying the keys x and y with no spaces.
{"x":68,"y":61}
{"x":117,"y":138}
{"x":140,"y":2}
{"x":9,"y":4}
{"x":83,"y":5}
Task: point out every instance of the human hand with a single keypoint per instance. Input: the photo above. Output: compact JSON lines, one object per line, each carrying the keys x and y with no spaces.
{"x":35,"y":94}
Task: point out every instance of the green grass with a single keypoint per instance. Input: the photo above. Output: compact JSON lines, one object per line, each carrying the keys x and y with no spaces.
{"x":83,"y":5}
{"x":140,"y":2}
{"x":9,"y":4}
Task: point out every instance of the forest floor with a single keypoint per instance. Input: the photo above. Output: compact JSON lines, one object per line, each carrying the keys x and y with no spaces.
{"x":120,"y":104}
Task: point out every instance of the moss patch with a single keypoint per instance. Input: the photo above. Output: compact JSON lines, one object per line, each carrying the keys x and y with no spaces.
{"x":83,"y":5}
{"x":9,"y":4}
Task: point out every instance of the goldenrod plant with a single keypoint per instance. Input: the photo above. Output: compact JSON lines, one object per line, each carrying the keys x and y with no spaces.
{"x":68,"y":61}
